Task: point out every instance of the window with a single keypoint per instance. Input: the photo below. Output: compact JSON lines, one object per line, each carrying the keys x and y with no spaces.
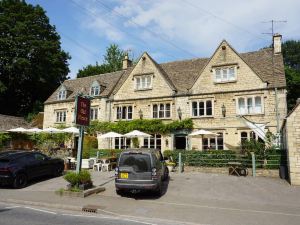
{"x":153,"y":142}
{"x":202,"y":108}
{"x":162,"y":110}
{"x":250,"y":135}
{"x":124,"y":112}
{"x":225,"y":74}
{"x":94,"y":113}
{"x":122,"y":143}
{"x":62,"y":94}
{"x":213,"y":143}
{"x":143,"y":82}
{"x":95,"y":89}
{"x":61,"y":116}
{"x":249,"y":105}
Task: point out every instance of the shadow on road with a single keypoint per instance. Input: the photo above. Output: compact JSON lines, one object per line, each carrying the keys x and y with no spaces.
{"x":148,"y":195}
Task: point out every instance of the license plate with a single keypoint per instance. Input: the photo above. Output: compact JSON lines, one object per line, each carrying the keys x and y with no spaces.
{"x":124,"y":175}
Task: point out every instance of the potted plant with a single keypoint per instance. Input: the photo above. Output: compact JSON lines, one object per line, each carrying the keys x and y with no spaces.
{"x":171,"y":166}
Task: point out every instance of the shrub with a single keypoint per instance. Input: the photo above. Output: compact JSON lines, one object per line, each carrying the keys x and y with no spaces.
{"x":89,"y":142}
{"x":75,"y":179}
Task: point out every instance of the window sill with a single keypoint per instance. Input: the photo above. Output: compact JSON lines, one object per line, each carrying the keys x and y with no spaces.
{"x":225,"y":82}
{"x":60,"y":122}
{"x":251,"y":114}
{"x":168,"y":118}
{"x":200,"y":117}
{"x":143,"y":89}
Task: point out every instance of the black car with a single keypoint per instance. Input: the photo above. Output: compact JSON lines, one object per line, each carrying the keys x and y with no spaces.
{"x":140,"y":170}
{"x":18,"y":167}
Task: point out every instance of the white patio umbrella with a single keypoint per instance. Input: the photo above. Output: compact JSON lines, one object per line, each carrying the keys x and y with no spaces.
{"x":136,"y":133}
{"x":52,"y":130}
{"x":72,"y":130}
{"x":203,"y":133}
{"x":33,"y":130}
{"x":18,"y":130}
{"x":111,"y":135}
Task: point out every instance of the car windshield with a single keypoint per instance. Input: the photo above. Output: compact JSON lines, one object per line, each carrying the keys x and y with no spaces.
{"x":139,"y":162}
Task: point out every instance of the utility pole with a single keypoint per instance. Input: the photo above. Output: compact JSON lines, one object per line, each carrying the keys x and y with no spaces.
{"x":273,"y":74}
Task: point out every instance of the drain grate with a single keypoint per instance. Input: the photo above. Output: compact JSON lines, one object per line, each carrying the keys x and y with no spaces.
{"x":90,"y":208}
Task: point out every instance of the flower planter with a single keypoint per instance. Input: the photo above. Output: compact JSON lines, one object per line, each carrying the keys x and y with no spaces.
{"x":171,"y":168}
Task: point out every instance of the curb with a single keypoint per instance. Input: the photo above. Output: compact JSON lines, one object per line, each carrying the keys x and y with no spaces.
{"x":43,"y":204}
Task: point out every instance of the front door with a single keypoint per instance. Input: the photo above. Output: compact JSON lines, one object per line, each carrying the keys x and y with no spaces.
{"x":180,"y":142}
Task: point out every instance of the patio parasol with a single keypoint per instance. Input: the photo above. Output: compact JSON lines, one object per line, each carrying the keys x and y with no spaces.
{"x":136,"y":133}
{"x":111,"y":135}
{"x":18,"y":130}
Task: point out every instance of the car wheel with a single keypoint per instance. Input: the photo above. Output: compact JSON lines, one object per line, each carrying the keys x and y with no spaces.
{"x":158,"y":191}
{"x":20,"y":181}
{"x":120,"y":192}
{"x":58,"y":171}
{"x":166,"y":175}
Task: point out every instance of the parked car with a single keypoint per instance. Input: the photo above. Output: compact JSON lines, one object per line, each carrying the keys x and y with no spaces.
{"x":140,"y":170}
{"x":18,"y":167}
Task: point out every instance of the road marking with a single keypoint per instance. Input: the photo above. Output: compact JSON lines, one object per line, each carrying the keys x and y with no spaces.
{"x":40,"y":210}
{"x":107,"y":217}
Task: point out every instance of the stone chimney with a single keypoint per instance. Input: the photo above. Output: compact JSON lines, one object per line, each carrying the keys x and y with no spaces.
{"x":277,"y":43}
{"x":126,"y":62}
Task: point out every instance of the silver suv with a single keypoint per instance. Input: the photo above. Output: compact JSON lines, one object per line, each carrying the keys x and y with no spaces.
{"x":140,"y":169}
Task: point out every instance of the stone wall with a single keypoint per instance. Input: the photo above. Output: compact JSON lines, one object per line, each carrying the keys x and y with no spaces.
{"x":292,"y":134}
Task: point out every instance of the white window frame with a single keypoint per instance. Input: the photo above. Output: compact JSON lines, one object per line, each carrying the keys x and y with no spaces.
{"x":62,"y":94}
{"x":223,"y":71}
{"x":253,"y":110}
{"x":120,"y":107}
{"x":94,"y":113}
{"x":155,"y":138}
{"x":205,"y":107}
{"x":216,"y":141}
{"x":158,"y":104}
{"x":60,"y":116}
{"x":143,"y":82}
{"x":95,"y":89}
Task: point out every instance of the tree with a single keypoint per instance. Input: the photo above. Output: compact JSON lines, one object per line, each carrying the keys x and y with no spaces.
{"x":32,"y":63}
{"x":291,"y":57}
{"x":112,"y":62}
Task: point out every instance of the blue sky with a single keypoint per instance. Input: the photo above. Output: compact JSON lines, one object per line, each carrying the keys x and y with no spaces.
{"x":168,"y":30}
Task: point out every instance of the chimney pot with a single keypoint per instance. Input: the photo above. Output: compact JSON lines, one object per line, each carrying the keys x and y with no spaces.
{"x":277,"y":43}
{"x":126,"y":62}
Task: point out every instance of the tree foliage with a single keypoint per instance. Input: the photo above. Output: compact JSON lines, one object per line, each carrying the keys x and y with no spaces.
{"x":32,"y":63}
{"x":291,"y":57}
{"x":152,"y":126}
{"x":112,"y":62}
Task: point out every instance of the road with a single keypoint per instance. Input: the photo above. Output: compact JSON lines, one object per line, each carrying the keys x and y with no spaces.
{"x":189,"y":198}
{"x":25,"y":215}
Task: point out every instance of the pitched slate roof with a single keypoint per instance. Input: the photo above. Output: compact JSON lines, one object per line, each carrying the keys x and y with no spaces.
{"x":74,"y":86}
{"x":181,"y":75}
{"x":9,"y":122}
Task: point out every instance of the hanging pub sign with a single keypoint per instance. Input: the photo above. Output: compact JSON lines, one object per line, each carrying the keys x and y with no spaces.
{"x":82,"y":111}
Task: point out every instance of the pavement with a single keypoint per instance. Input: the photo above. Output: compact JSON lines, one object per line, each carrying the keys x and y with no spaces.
{"x":189,"y":198}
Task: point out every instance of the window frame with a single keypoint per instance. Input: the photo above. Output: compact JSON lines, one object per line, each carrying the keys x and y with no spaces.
{"x":95,"y":86}
{"x":222,"y":74}
{"x":144,"y":84}
{"x":60,"y":116}
{"x":162,"y":110}
{"x":205,"y":108}
{"x":250,"y":110}
{"x":156,"y":138}
{"x":62,"y":93}
{"x":216,"y":142}
{"x":93,"y":115}
{"x":120,"y":110}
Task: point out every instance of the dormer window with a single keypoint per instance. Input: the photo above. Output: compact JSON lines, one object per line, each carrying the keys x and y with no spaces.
{"x":62,"y":94}
{"x":95,"y":89}
{"x":143,"y":82}
{"x":223,"y":75}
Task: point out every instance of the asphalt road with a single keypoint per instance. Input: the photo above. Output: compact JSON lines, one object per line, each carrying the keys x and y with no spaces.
{"x":25,"y":215}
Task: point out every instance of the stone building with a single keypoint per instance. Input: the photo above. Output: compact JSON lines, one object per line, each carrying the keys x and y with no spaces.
{"x":217,"y":93}
{"x":291,"y":135}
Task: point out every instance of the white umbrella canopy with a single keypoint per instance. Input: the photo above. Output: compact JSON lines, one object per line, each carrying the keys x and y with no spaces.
{"x":18,"y":130}
{"x":52,"y":130}
{"x":201,"y":133}
{"x":72,"y":130}
{"x":111,"y":135}
{"x":136,"y":133}
{"x":33,"y":130}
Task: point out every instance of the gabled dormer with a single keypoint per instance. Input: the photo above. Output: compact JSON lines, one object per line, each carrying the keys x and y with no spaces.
{"x":95,"y":88}
{"x":62,"y":93}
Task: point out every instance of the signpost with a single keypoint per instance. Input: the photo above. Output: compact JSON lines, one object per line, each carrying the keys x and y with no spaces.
{"x":82,"y":119}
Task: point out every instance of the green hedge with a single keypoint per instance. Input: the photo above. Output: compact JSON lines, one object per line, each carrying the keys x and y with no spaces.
{"x":105,"y":152}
